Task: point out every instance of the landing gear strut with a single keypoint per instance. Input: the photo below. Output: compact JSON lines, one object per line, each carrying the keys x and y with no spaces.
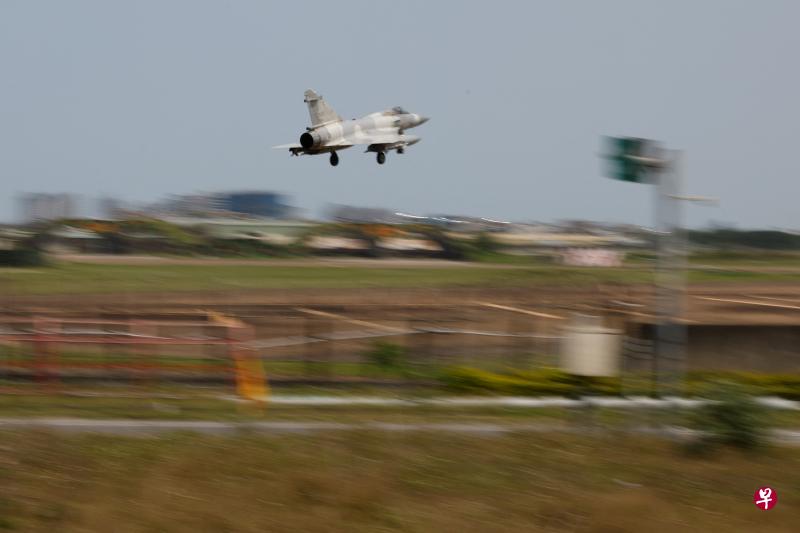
{"x":334,"y":159}
{"x":381,"y":158}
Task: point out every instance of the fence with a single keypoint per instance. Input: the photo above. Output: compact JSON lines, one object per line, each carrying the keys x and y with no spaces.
{"x":50,"y":351}
{"x":297,"y":345}
{"x":293,"y":344}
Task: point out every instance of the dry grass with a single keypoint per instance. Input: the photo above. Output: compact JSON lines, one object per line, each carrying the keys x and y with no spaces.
{"x":385,"y":482}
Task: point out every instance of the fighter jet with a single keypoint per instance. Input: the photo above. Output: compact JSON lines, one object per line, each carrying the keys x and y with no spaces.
{"x":380,"y":132}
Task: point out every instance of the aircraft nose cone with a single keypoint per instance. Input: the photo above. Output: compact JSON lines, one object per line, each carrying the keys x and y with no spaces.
{"x":422,"y":120}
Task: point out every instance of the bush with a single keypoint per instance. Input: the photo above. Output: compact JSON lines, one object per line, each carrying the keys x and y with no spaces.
{"x":21,"y":257}
{"x":731,"y":418}
{"x":762,"y":239}
{"x":387,"y":356}
{"x":465,"y":379}
{"x":783,"y":385}
{"x":555,"y":381}
{"x":176,"y":235}
{"x":243,"y":248}
{"x":485,"y":244}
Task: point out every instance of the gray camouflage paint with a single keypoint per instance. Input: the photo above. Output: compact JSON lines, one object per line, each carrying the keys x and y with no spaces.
{"x":381,"y":131}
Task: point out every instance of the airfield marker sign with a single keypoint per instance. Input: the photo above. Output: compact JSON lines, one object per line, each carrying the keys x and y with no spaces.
{"x":633,"y":159}
{"x":637,"y":160}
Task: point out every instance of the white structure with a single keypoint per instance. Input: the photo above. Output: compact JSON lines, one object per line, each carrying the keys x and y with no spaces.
{"x":44,"y":206}
{"x":592,"y":257}
{"x":589,"y":349}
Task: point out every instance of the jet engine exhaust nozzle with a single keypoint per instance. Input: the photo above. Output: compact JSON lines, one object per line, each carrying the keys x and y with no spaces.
{"x":306,"y":140}
{"x":314,"y":139}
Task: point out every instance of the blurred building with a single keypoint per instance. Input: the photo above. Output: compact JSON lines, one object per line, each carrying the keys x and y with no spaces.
{"x":255,"y":203}
{"x":191,"y":204}
{"x":11,"y":236}
{"x":109,"y":208}
{"x":46,"y":206}
{"x":274,"y":231}
{"x":67,"y":239}
{"x":364,"y":215}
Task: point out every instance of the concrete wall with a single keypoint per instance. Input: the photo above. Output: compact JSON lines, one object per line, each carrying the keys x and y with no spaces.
{"x":753,"y":348}
{"x":757,"y":348}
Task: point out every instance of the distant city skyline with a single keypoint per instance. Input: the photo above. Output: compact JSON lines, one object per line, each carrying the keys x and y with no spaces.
{"x":79,"y":206}
{"x":137,"y":100}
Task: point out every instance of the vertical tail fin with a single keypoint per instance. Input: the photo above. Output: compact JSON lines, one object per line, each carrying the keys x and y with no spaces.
{"x":319,"y":110}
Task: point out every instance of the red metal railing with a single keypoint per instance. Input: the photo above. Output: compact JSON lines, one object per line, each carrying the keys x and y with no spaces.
{"x":36,"y":346}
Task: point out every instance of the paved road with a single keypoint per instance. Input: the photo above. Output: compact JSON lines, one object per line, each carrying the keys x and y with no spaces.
{"x":616,"y":402}
{"x":544,"y":402}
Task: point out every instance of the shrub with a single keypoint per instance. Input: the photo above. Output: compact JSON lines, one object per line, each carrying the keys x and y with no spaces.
{"x":21,"y":257}
{"x":731,"y":418}
{"x":555,"y":381}
{"x":465,"y":379}
{"x":387,"y":356}
{"x":485,"y":244}
{"x":783,"y":385}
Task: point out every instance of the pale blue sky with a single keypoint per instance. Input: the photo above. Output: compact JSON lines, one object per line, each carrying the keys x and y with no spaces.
{"x":137,"y":99}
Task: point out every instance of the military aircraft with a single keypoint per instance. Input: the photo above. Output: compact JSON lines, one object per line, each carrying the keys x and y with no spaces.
{"x":381,"y":132}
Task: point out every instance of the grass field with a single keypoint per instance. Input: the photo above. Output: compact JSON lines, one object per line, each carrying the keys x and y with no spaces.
{"x":763,"y":258}
{"x":357,"y":481}
{"x":87,"y":278}
{"x":76,"y":278}
{"x":175,"y":403}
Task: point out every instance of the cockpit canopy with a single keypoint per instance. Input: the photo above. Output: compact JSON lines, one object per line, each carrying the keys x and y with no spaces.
{"x":397,"y":110}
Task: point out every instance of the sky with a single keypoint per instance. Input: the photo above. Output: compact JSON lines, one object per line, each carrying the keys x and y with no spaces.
{"x":141,"y":99}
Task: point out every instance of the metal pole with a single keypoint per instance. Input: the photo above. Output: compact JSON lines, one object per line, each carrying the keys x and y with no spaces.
{"x":670,"y":280}
{"x":659,"y":298}
{"x":679,"y":275}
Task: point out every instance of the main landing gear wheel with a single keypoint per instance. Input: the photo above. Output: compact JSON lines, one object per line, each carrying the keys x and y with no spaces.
{"x":381,"y":158}
{"x":334,"y":159}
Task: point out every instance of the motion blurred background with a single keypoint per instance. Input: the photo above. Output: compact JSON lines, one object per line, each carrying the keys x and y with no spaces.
{"x":468,"y":337}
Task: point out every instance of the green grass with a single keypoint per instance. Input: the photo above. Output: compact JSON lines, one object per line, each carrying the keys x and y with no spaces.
{"x":216,"y":403}
{"x":365,"y":482}
{"x":742,"y":258}
{"x":87,"y":278}
{"x":726,"y":259}
{"x":500,"y":258}
{"x":75,"y":278}
{"x":76,"y":359}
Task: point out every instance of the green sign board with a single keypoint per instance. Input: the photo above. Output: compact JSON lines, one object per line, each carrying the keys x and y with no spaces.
{"x":621,"y":166}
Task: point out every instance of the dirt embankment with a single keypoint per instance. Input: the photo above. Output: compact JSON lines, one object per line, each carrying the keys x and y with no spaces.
{"x":726,"y":303}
